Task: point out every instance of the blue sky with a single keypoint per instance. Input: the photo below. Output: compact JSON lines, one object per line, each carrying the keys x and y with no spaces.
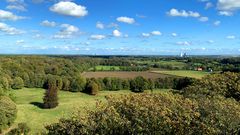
{"x":120,"y":27}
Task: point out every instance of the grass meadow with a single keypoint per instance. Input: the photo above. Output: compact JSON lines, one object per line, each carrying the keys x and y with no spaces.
{"x":29,"y":99}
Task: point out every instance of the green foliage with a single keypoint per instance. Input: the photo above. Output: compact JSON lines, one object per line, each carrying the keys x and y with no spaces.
{"x":92,"y":87}
{"x":17,"y":83}
{"x":225,"y":84}
{"x":78,"y":84}
{"x":139,"y":84}
{"x":163,"y":113}
{"x":50,"y":99}
{"x":21,"y":129}
{"x":8,"y":112}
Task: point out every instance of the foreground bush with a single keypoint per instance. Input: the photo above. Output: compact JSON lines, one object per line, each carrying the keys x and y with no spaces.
{"x":8,"y":112}
{"x":21,"y":129}
{"x":163,"y":113}
{"x":226,"y":84}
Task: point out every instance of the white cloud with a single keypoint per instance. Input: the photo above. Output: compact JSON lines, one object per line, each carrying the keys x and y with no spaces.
{"x":146,"y":35}
{"x":184,"y":43}
{"x":67,"y":31}
{"x":117,"y":33}
{"x":217,"y":23}
{"x":126,"y":20}
{"x":203,"y":19}
{"x":69,"y":8}
{"x":99,"y":25}
{"x":225,"y":13}
{"x":6,"y":15}
{"x":9,"y":30}
{"x":228,"y":5}
{"x":97,"y":37}
{"x":210,"y":41}
{"x":208,"y":5}
{"x":156,"y":33}
{"x":231,"y":37}
{"x":141,"y":16}
{"x":16,"y":7}
{"x":183,"y":13}
{"x":174,"y":34}
{"x":174,"y":12}
{"x":48,"y":23}
{"x":18,"y":42}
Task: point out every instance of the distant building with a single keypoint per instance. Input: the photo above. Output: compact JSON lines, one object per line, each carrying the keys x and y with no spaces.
{"x":183,"y":55}
{"x":199,"y":69}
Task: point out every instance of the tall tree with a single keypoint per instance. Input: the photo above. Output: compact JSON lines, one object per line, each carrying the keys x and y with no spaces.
{"x":50,"y":99}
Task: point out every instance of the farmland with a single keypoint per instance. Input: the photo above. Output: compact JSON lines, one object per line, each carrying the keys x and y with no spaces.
{"x":184,"y":73}
{"x":105,"y":68}
{"x":123,"y":74}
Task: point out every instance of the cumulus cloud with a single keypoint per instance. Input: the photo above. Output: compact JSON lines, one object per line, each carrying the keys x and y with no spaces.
{"x":183,"y":13}
{"x":231,"y":37}
{"x":69,"y":8}
{"x":174,"y":12}
{"x":156,"y":33}
{"x":48,"y":23}
{"x":146,"y":35}
{"x":16,"y":5}
{"x":97,"y":37}
{"x":217,"y":23}
{"x":67,"y":31}
{"x":174,"y":34}
{"x":9,"y":30}
{"x":228,"y":5}
{"x":117,"y":33}
{"x":6,"y":15}
{"x":125,"y":19}
{"x":100,"y":25}
{"x":225,"y":13}
{"x":208,"y":5}
{"x":203,"y":19}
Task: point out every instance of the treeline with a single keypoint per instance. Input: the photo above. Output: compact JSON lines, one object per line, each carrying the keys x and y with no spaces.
{"x":139,"y":84}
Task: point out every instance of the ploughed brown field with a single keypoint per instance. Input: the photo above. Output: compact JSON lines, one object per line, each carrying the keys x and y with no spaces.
{"x":123,"y":74}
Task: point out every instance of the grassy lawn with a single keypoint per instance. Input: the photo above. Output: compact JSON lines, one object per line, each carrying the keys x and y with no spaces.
{"x":184,"y":73}
{"x":105,"y":68}
{"x":36,"y":117}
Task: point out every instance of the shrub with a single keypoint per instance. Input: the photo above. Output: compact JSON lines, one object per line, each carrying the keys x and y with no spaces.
{"x":163,"y":113}
{"x":8,"y":112}
{"x":21,"y":129}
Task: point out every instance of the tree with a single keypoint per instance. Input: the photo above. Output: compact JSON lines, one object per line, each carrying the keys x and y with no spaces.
{"x":92,"y":88}
{"x":138,"y":84}
{"x":50,"y":99}
{"x":18,"y":83}
{"x":78,"y":84}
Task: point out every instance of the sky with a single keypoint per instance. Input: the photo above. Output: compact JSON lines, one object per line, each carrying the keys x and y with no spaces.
{"x":120,"y":27}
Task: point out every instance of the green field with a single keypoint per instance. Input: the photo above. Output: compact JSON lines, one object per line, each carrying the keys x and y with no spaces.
{"x":105,"y":68}
{"x":173,"y":63}
{"x":36,"y":117}
{"x":184,"y":73}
